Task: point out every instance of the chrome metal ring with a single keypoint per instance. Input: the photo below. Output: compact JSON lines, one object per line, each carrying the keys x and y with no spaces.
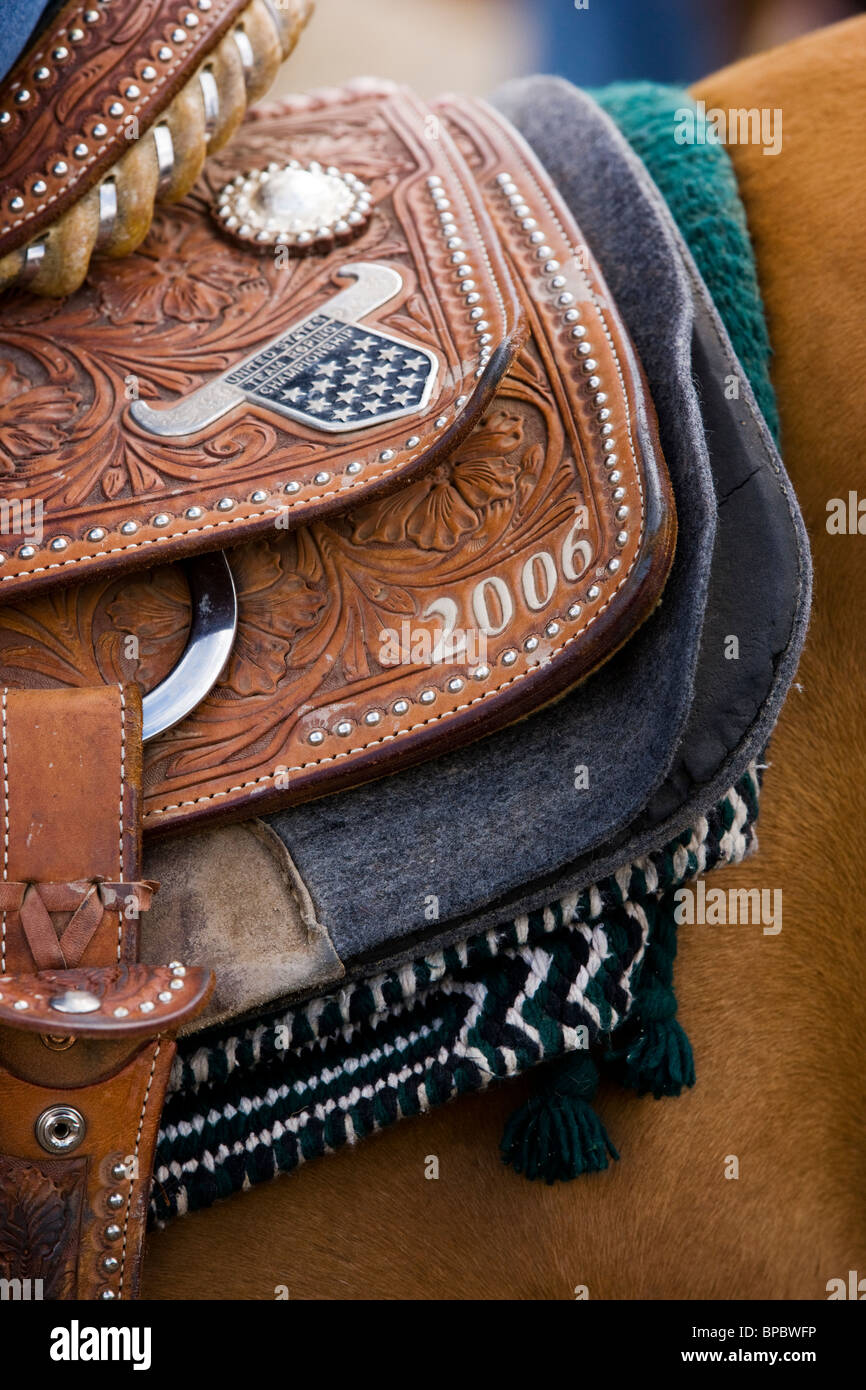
{"x":60,"y":1129}
{"x":210,"y":642}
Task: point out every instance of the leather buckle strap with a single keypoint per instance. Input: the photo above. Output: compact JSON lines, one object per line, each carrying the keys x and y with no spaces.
{"x":85,"y":902}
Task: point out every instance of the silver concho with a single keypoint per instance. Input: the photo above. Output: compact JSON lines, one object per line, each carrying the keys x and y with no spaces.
{"x":329,"y":371}
{"x":304,"y":208}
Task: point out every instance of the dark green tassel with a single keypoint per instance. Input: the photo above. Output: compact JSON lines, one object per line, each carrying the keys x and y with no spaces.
{"x":651,"y":1053}
{"x":557,"y":1135}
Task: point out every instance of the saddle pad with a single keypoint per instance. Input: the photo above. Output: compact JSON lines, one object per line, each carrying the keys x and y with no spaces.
{"x":457,"y":604}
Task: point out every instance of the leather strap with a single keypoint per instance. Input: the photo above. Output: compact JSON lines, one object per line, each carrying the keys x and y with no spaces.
{"x":86,"y":1034}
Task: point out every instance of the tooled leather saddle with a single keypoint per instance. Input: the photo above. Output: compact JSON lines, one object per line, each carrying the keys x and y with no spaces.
{"x":352,"y":464}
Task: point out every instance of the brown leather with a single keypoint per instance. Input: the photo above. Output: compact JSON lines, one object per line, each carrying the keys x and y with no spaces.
{"x":103,"y":66}
{"x":97,"y":1037}
{"x":497,"y":527}
{"x":177,"y":315}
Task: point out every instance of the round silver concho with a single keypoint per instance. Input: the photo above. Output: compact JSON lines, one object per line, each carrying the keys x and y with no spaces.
{"x":304,"y":207}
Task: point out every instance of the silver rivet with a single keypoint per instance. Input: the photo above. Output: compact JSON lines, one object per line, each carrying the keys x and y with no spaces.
{"x":536,"y":239}
{"x":572,"y":316}
{"x":600,"y":398}
{"x":354,"y":468}
{"x":129,"y":528}
{"x":564,"y":299}
{"x":372,"y":717}
{"x":91,"y":16}
{"x":75,"y":1001}
{"x":39,"y":187}
{"x":604,"y":414}
{"x":543,"y":252}
{"x":164,"y":996}
{"x":99,"y":130}
{"x":455,"y":685}
{"x":59,"y":543}
{"x":96,"y":534}
{"x":550,"y":267}
{"x":60,"y":53}
{"x":621,"y":512}
{"x":60,"y":168}
{"x":147,"y":1006}
{"x":618,"y":494}
{"x":441,"y":422}
{"x":481,"y":673}
{"x":21,"y":1005}
{"x":118,"y":1172}
{"x":551,"y":630}
{"x":60,"y":1129}
{"x":317,"y":737}
{"x":194,"y":513}
{"x":503,"y":178}
{"x":178,"y":36}
{"x":113,"y":1231}
{"x":579,"y":331}
{"x":434,"y":181}
{"x":528,"y":223}
{"x":621,"y":538}
{"x":574,"y":611}
{"x":454,"y":243}
{"x":593,"y":592}
{"x":615,"y":475}
{"x":387,"y":455}
{"x":5,"y":118}
{"x":164,"y":54}
{"x":611,"y":458}
{"x":42,"y":74}
{"x":176,"y":984}
{"x":161,"y":519}
{"x":2,"y":559}
{"x":22,"y":96}
{"x":107,"y":1295}
{"x":116,"y":108}
{"x":148,"y":74}
{"x":614,"y":564}
{"x":531,"y":643}
{"x":80,"y":150}
{"x":225,"y":504}
{"x":120,"y":1012}
{"x":401,"y":706}
{"x":593,"y":382}
{"x":590,"y":364}
{"x":16,"y":203}
{"x":293,"y":487}
{"x":584,"y":348}
{"x":132,"y":91}
{"x":259,"y":496}
{"x":177,"y":968}
{"x":609,"y":445}
{"x":76,"y":35}
{"x":27,"y":552}
{"x":344,"y":728}
{"x":427,"y":697}
{"x":413,"y":442}
{"x":322,"y":478}
{"x":509,"y":658}
{"x":115,"y":1201}
{"x":606,"y":430}
{"x":111,"y":1262}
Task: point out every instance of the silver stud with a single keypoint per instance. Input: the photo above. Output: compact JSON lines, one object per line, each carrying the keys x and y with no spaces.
{"x":593,"y":592}
{"x":536,"y":239}
{"x":372,"y":717}
{"x":113,"y":1231}
{"x":5,"y":118}
{"x":481,"y":326}
{"x":481,"y":673}
{"x":531,"y":643}
{"x":454,"y":243}
{"x":60,"y":168}
{"x":590,"y":364}
{"x":178,"y":36}
{"x":509,"y":658}
{"x":572,"y":316}
{"x":96,"y":533}
{"x":147,"y":1006}
{"x":2,"y":562}
{"x":42,"y":74}
{"x":442,"y":422}
{"x":460,"y":402}
{"x":387,"y":455}
{"x":574,"y":610}
{"x":565,"y":299}
{"x":455,"y":685}
{"x":543,"y":252}
{"x":176,"y":984}
{"x":107,"y":1295}
{"x":615,"y":475}
{"x":111,"y":1262}
{"x":604,"y":414}
{"x":434,"y":181}
{"x":344,"y":728}
{"x":118,"y":1172}
{"x":116,"y":108}
{"x":16,"y":203}
{"x":194,"y":513}
{"x":293,"y":487}
{"x":621,"y":538}
{"x":39,"y":187}
{"x":76,"y":35}
{"x":473,"y":298}
{"x":427,"y":697}
{"x":528,"y":223}
{"x":621,"y":512}
{"x":132,"y":91}
{"x":22,"y":96}
{"x":129,"y":528}
{"x":618,"y":495}
{"x":80,"y":150}
{"x":401,"y":706}
{"x":579,"y":331}
{"x":164,"y":54}
{"x":551,"y":629}
{"x":115,"y":1201}
{"x":99,"y":130}
{"x":164,"y":996}
{"x":413,"y":442}
{"x":606,"y":430}
{"x":59,"y":543}
{"x":503,"y":179}
{"x":593,"y":382}
{"x":203,"y":4}
{"x":609,"y":445}
{"x":177,"y":968}
{"x":161,"y":519}
{"x":91,"y":16}
{"x":354,"y":468}
{"x":557,"y":282}
{"x":120,"y":1011}
{"x":600,"y":398}
{"x":614,"y":564}
{"x":259,"y":496}
{"x":27,"y":552}
{"x":584,"y":348}
{"x":317,"y":737}
{"x":60,"y":53}
{"x":148,"y":73}
{"x":225,"y":504}
{"x":21,"y":1005}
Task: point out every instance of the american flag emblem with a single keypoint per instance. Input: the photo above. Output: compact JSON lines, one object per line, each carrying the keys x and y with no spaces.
{"x":338,"y":376}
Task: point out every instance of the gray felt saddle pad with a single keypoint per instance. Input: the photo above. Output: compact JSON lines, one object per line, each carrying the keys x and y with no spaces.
{"x":668,"y":724}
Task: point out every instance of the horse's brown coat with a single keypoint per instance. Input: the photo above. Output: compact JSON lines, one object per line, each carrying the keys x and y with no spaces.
{"x":776,"y":1021}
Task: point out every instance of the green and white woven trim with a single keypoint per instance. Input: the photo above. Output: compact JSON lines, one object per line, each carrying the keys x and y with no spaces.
{"x":253,"y":1102}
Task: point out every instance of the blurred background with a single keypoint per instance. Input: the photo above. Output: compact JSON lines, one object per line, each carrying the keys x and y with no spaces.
{"x":472,"y":45}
